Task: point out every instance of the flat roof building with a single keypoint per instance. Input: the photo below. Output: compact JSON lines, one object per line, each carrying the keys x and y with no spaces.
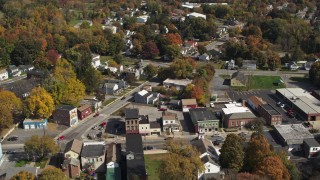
{"x":236,"y":115}
{"x":270,"y":114}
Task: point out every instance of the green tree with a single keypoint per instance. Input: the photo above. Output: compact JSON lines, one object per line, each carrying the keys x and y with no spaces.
{"x":314,"y":73}
{"x":202,"y":49}
{"x":23,"y":175}
{"x":150,"y":70}
{"x":232,"y":154}
{"x":182,"y":162}
{"x":115,"y":45}
{"x":39,"y":104}
{"x":273,"y":60}
{"x":52,"y":173}
{"x":173,"y":51}
{"x":40,"y":146}
{"x":182,"y":68}
{"x":294,"y":172}
{"x":257,"y":150}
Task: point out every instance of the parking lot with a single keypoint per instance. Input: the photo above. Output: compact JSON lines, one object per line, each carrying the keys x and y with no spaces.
{"x":268,"y":96}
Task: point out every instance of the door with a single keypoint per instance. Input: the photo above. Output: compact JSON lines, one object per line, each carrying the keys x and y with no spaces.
{"x":32,"y":126}
{"x":26,"y":126}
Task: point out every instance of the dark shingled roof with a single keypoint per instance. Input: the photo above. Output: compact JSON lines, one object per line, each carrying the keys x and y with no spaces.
{"x":271,"y":110}
{"x":155,"y":124}
{"x":74,"y":145}
{"x":131,"y":113}
{"x":207,"y":158}
{"x":135,"y":167}
{"x":201,"y":114}
{"x":66,"y":107}
{"x":92,"y":151}
{"x":144,"y":119}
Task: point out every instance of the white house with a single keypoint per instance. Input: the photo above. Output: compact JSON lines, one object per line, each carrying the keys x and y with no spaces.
{"x":170,"y":122}
{"x":142,"y":19}
{"x":4,"y":74}
{"x":96,"y":60}
{"x":196,"y":15}
{"x":293,"y":66}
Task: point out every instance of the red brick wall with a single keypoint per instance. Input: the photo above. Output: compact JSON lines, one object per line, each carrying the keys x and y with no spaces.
{"x":229,"y":122}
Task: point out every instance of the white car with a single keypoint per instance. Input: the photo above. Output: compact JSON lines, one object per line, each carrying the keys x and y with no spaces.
{"x":212,"y":104}
{"x":282,"y":105}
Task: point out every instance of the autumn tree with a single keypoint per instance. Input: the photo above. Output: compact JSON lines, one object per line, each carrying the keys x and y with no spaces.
{"x":182,"y":162}
{"x":174,"y":38}
{"x":9,"y":105}
{"x":232,"y":154}
{"x":173,"y":51}
{"x":39,"y":104}
{"x":202,"y":49}
{"x":23,"y":175}
{"x":257,"y":150}
{"x":294,"y":172}
{"x":273,"y":60}
{"x":272,"y":168}
{"x":150,"y":50}
{"x":246,"y":176}
{"x":53,"y":56}
{"x":40,"y":146}
{"x":183,"y":68}
{"x":52,"y":173}
{"x":150,"y":70}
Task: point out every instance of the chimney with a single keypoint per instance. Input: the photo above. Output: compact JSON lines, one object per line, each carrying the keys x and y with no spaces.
{"x":243,"y":103}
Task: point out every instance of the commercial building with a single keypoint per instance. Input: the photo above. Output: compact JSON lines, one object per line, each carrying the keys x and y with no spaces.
{"x":204,"y":121}
{"x":146,"y":97}
{"x":66,"y":115}
{"x":84,"y":111}
{"x":301,"y":101}
{"x":293,"y":135}
{"x":35,"y":123}
{"x":179,"y":84}
{"x":254,"y":102}
{"x":132,"y":121}
{"x":144,"y":125}
{"x":188,"y":104}
{"x":270,"y":114}
{"x":311,"y":148}
{"x":234,"y":115}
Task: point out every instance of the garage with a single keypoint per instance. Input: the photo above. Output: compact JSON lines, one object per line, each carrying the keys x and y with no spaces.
{"x":35,"y":123}
{"x":26,"y":126}
{"x":32,"y":126}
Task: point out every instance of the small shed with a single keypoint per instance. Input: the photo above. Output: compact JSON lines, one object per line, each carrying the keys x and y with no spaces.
{"x":35,"y":123}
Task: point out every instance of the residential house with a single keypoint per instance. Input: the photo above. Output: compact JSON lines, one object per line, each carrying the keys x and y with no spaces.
{"x":132,"y":121}
{"x":311,"y":148}
{"x":35,"y":124}
{"x":71,"y":168}
{"x":136,"y":168}
{"x":191,"y":5}
{"x":142,"y":19}
{"x":95,"y":60}
{"x":84,"y":111}
{"x":204,"y":57}
{"x":26,"y":68}
{"x":37,"y":73}
{"x":73,"y":149}
{"x":122,"y":84}
{"x":93,"y":157}
{"x":178,"y":84}
{"x":188,"y":104}
{"x":234,"y":115}
{"x":222,"y":30}
{"x":93,"y":101}
{"x":23,"y":87}
{"x":136,"y":72}
{"x":209,"y":157}
{"x":254,"y":102}
{"x":144,"y":125}
{"x":14,"y":71}
{"x":65,"y":115}
{"x":190,"y":44}
{"x":110,"y":88}
{"x":204,"y":121}
{"x":113,"y":169}
{"x":155,"y":128}
{"x":170,"y":122}
{"x":196,"y":15}
{"x":292,"y":66}
{"x":249,"y":64}
{"x":3,"y":74}
{"x":146,"y":97}
{"x":231,"y":64}
{"x":270,"y":114}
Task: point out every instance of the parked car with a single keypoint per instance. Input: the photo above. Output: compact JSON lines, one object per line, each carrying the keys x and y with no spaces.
{"x":13,"y":138}
{"x":96,"y":115}
{"x":212,"y":104}
{"x":94,"y":127}
{"x":162,"y":109}
{"x":148,"y":148}
{"x":61,"y":138}
{"x":103,"y":124}
{"x":220,"y":138}
{"x":282,"y":105}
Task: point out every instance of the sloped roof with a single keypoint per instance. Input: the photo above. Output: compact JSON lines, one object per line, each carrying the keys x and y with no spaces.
{"x":74,"y":145}
{"x":202,"y":145}
{"x":112,"y":155}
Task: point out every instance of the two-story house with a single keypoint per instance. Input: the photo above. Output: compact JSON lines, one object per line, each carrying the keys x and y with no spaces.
{"x":93,"y":157}
{"x":66,"y":115}
{"x":204,"y":121}
{"x":132,"y":121}
{"x":170,"y":122}
{"x":14,"y":71}
{"x":146,"y":97}
{"x":96,"y":60}
{"x":71,"y":163}
{"x":144,"y":125}
{"x":73,"y":149}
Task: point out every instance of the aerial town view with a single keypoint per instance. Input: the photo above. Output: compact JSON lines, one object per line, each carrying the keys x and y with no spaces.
{"x":159,"y":89}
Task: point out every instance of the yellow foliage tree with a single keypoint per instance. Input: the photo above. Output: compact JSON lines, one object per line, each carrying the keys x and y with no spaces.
{"x":39,"y":104}
{"x":9,"y":103}
{"x":23,"y":175}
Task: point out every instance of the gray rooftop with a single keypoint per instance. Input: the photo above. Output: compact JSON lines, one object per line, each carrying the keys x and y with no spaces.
{"x":293,"y":133}
{"x":201,"y":114}
{"x":312,"y":142}
{"x":245,"y":115}
{"x":131,"y":113}
{"x":302,"y":99}
{"x":271,"y":110}
{"x":93,"y":150}
{"x":66,"y":107}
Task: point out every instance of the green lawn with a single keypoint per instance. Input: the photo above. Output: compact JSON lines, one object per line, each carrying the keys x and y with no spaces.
{"x":21,"y":163}
{"x":152,"y":165}
{"x":41,"y":163}
{"x":264,"y":82}
{"x":103,"y":59}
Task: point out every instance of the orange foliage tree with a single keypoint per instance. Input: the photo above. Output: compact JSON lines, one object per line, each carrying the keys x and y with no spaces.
{"x":272,"y":168}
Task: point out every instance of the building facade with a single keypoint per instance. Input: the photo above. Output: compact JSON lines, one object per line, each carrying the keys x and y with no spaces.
{"x":66,"y":115}
{"x":84,"y":111}
{"x":204,"y":120}
{"x":132,"y":121}
{"x":35,"y":123}
{"x":270,"y":114}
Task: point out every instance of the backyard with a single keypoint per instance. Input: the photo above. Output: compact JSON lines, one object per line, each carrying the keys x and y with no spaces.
{"x":153,"y":162}
{"x":265,"y":82}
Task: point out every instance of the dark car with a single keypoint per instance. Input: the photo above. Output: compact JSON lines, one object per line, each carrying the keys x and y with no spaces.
{"x":148,"y":148}
{"x":217,"y":142}
{"x":13,"y":138}
{"x":96,"y":115}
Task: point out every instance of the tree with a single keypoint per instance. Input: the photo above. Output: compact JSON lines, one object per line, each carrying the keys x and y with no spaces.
{"x":174,"y":38}
{"x":314,"y":73}
{"x":52,"y":173}
{"x":173,"y":51}
{"x":182,"y":162}
{"x":294,"y":172}
{"x":40,"y":146}
{"x":272,"y":168}
{"x":273,"y":60}
{"x":130,"y":78}
{"x":246,"y":176}
{"x":53,"y":56}
{"x":182,"y":68}
{"x":150,"y":50}
{"x":150,"y":70}
{"x":6,"y":118}
{"x":10,"y":104}
{"x":39,"y":104}
{"x":232,"y":154}
{"x":257,"y":150}
{"x":202,"y":49}
{"x":23,"y":175}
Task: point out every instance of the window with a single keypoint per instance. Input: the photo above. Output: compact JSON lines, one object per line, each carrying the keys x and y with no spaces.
{"x":100,"y":159}
{"x":141,"y":127}
{"x":97,"y":159}
{"x":146,"y":127}
{"x":209,"y":169}
{"x":166,"y":121}
{"x":171,"y":122}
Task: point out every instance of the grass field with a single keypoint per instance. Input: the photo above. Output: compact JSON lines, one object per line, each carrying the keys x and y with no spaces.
{"x":152,"y":165}
{"x":264,"y":82}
